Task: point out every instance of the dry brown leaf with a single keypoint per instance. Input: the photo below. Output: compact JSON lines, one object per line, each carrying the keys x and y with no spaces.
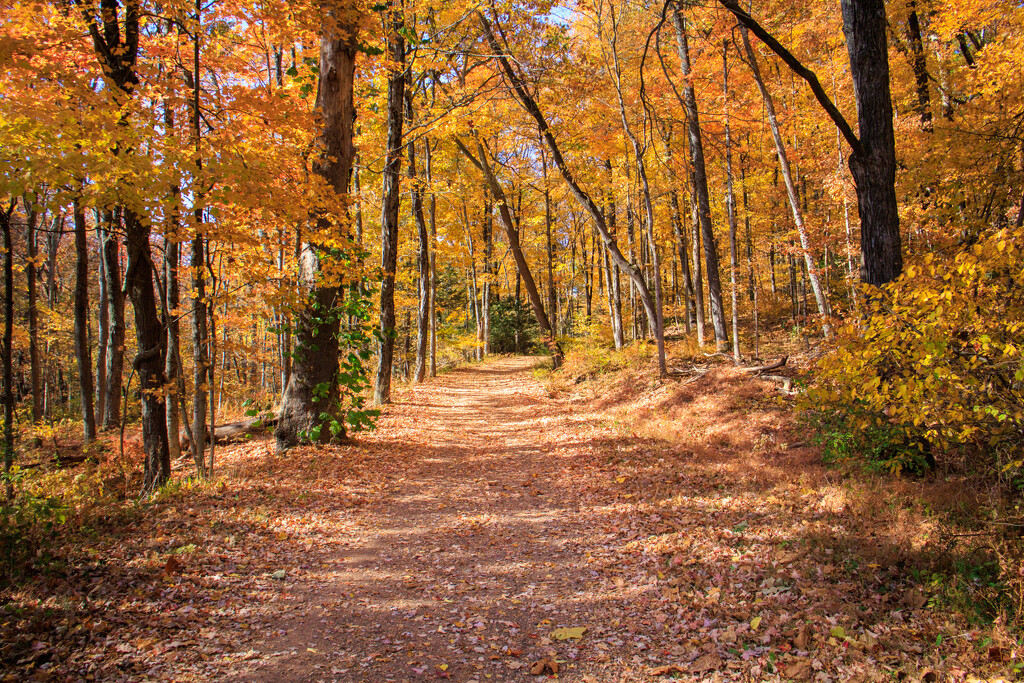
{"x":708,"y":662}
{"x":805,"y":638}
{"x":668,"y":669}
{"x":173,"y":566}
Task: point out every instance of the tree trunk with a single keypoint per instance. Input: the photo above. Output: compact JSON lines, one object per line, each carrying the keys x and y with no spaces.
{"x":874,"y":168}
{"x":149,"y":361}
{"x":698,"y":276}
{"x":103,"y":329}
{"x":8,"y":369}
{"x":577,"y":190}
{"x":924,"y":108}
{"x":83,"y":356}
{"x":110,"y":253}
{"x":791,"y":193}
{"x":31,"y":276}
{"x":423,"y":253}
{"x":700,"y":186}
{"x":433,"y":269}
{"x":316,"y":363}
{"x":873,"y":161}
{"x":482,"y":162}
{"x":171,"y":261}
{"x":389,"y":207}
{"x":730,"y":205}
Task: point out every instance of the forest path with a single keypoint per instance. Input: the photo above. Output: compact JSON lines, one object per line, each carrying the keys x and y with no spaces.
{"x":474,"y":553}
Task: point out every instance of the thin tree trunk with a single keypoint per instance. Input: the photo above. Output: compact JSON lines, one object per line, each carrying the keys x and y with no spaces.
{"x":423,"y":253}
{"x":791,"y":193}
{"x":103,"y":329}
{"x":389,"y":205}
{"x":82,"y":349}
{"x":698,"y":277}
{"x":171,"y":262}
{"x":8,"y":369}
{"x":482,"y":162}
{"x":433,"y":267}
{"x":114,"y":341}
{"x":701,"y":186}
{"x":31,"y":276}
{"x":730,"y":205}
{"x":577,"y":190}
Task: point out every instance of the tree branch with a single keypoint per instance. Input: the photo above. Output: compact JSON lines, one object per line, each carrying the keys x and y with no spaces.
{"x":800,"y":70}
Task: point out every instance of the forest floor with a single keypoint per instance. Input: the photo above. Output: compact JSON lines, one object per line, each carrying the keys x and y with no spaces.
{"x":495,"y":529}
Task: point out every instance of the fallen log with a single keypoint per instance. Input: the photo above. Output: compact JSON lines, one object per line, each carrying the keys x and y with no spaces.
{"x":764,"y":368}
{"x":233,"y":432}
{"x":787,"y":382}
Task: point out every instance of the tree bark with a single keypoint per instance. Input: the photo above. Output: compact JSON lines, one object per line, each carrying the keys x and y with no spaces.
{"x":423,"y":253}
{"x":920,"y":65}
{"x":730,"y":205}
{"x":171,"y":260}
{"x":873,"y":160}
{"x":389,"y":206}
{"x":83,"y":356}
{"x":149,"y":361}
{"x":103,"y":328}
{"x":874,"y":169}
{"x":700,"y":187}
{"x":114,"y":341}
{"x":8,"y":365}
{"x":31,"y":276}
{"x":482,"y":162}
{"x":312,"y":388}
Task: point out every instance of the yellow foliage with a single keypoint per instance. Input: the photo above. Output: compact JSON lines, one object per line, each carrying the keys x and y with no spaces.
{"x":936,"y":354}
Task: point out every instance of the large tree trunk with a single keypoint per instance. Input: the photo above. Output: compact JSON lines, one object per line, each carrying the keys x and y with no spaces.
{"x":139,"y":280}
{"x":873,"y":161}
{"x":873,"y":168}
{"x":700,"y":186}
{"x":389,"y":207}
{"x":316,"y":361}
{"x":82,"y":350}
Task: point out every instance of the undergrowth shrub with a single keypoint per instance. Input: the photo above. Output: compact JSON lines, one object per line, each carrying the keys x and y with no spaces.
{"x":932,"y":365}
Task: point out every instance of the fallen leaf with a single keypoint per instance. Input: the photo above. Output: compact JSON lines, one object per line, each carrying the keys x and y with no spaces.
{"x":754,"y":623}
{"x":569,"y":633}
{"x":805,"y":638}
{"x":914,"y":598}
{"x":173,"y":566}
{"x":709,"y":662}
{"x":800,"y":671}
{"x":667,"y":669}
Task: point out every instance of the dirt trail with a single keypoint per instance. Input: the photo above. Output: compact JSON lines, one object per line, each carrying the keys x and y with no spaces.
{"x":473,"y":557}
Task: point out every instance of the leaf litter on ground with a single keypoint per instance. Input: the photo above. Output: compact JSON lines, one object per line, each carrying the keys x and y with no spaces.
{"x":471,"y":537}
